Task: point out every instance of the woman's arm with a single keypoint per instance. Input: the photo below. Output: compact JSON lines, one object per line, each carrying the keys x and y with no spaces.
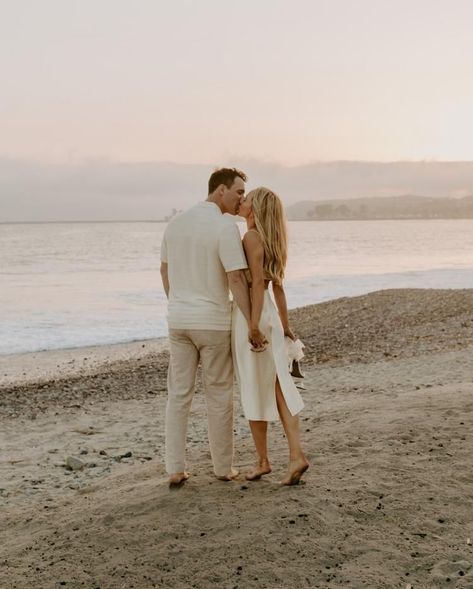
{"x":255,"y":255}
{"x":281,"y":304}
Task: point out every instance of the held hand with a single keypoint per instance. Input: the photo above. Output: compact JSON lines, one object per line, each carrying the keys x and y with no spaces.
{"x":257,"y":340}
{"x":289,"y":333}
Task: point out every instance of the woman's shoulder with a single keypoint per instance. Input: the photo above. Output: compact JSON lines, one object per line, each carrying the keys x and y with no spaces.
{"x":252,"y":237}
{"x":252,"y":242}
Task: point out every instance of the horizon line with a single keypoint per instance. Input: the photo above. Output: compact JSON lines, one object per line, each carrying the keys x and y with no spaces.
{"x":242,"y":159}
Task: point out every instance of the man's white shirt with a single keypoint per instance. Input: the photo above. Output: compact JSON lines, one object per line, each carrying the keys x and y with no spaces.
{"x":200,"y":246}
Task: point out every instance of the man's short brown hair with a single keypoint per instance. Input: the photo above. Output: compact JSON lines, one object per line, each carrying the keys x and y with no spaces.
{"x":225,"y":176}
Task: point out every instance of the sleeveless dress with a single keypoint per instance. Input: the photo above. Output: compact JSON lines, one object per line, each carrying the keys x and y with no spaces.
{"x":257,"y":371}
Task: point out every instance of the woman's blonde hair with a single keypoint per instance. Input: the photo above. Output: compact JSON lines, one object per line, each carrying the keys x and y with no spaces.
{"x":270,"y":221}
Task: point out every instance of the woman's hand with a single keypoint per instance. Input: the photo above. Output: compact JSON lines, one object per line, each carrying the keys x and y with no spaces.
{"x":289,"y":333}
{"x":257,"y":340}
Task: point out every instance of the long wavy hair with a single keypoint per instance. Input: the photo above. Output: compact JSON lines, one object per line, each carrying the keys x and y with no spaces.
{"x":270,"y":221}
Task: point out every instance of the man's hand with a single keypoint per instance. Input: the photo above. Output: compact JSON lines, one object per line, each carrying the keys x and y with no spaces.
{"x":257,"y":340}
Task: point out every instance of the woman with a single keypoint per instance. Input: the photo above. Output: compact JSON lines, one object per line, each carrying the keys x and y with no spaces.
{"x":267,"y":389}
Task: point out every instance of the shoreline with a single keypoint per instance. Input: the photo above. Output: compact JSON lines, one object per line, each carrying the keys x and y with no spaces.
{"x":379,"y":327}
{"x":44,"y":365}
{"x":334,"y":317}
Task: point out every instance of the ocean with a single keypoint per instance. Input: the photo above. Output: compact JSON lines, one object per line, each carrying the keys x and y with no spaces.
{"x":65,"y":285}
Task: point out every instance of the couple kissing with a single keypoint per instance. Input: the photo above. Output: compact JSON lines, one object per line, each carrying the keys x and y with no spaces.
{"x":203,"y":258}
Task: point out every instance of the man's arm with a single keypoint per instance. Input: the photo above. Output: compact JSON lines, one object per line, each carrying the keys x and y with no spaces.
{"x":165,"y":277}
{"x":255,"y":255}
{"x":241,"y":293}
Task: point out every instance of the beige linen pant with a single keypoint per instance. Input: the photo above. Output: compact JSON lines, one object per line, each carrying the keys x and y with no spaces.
{"x":213,"y":349}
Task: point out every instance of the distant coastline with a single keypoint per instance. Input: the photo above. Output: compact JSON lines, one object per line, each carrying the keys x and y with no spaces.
{"x":82,"y":222}
{"x":408,"y":207}
{"x":394,"y":208}
{"x":292,"y":220}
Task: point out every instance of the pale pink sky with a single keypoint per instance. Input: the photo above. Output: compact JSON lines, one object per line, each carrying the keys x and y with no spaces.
{"x":186,"y":81}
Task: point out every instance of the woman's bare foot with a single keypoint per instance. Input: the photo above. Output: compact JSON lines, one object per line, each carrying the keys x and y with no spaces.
{"x":295,"y":470}
{"x":230,"y":476}
{"x":264,"y":467}
{"x":177,"y":479}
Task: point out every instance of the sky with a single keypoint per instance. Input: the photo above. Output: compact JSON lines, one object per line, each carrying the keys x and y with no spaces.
{"x":209,"y":82}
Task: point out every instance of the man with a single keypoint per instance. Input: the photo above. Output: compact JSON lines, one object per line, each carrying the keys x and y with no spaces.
{"x":201,"y":259}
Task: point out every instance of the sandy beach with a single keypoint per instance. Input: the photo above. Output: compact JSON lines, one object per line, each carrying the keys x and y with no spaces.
{"x":388,"y":429}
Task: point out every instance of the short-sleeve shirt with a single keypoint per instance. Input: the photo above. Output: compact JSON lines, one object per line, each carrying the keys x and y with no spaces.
{"x":200,"y":246}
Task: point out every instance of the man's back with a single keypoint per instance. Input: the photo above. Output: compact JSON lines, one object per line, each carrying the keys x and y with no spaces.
{"x":200,"y":246}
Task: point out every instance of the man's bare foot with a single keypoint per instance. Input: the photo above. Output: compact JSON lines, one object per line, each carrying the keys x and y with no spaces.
{"x":295,"y":471}
{"x":264,"y":467}
{"x":177,"y":479}
{"x":230,"y":476}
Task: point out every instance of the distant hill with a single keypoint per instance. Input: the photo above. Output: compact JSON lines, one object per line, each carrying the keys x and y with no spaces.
{"x":101,"y":189}
{"x":394,"y":207}
{"x":300,"y":211}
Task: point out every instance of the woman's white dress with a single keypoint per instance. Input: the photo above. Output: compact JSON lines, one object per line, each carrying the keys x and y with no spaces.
{"x":257,"y":371}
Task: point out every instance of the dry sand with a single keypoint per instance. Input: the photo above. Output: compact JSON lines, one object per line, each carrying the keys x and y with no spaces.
{"x":388,"y":428}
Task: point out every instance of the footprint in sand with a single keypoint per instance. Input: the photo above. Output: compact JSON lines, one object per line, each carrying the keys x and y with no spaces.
{"x":446,"y":570}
